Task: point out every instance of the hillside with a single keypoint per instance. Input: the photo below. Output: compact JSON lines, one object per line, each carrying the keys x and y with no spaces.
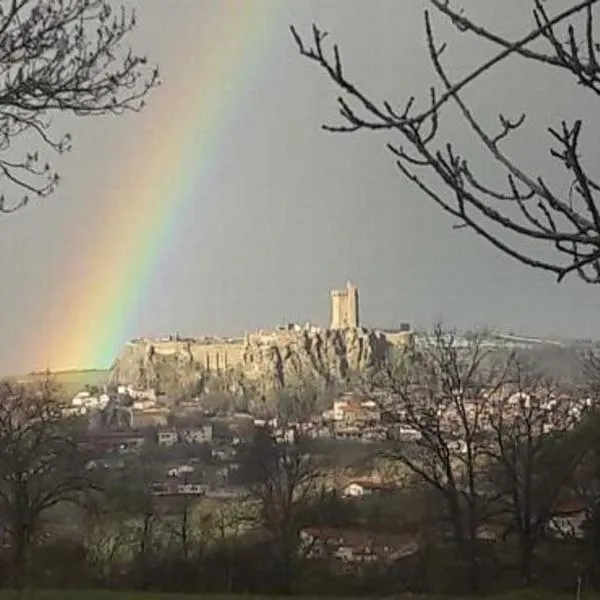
{"x":71,"y":381}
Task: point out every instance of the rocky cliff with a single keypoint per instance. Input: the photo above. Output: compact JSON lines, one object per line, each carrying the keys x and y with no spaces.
{"x":266,"y":361}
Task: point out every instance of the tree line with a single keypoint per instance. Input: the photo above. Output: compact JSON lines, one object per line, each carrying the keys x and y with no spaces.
{"x":500,"y":456}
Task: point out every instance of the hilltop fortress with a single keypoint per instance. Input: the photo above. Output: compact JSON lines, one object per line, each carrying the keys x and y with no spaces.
{"x":271,"y":359}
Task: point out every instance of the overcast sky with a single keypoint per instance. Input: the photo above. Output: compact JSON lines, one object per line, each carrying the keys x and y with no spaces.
{"x":298,"y":211}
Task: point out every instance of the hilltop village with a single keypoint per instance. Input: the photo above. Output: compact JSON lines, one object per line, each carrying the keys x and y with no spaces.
{"x":303,"y":384}
{"x":226,"y":388}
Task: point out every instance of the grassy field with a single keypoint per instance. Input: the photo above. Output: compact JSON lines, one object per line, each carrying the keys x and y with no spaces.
{"x":109,"y":595}
{"x":97,"y":595}
{"x":71,"y":381}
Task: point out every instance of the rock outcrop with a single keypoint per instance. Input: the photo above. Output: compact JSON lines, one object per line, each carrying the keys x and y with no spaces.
{"x":266,"y":361}
{"x":290,"y":357}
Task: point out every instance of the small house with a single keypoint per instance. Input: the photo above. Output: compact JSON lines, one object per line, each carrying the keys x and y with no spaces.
{"x":359,"y":489}
{"x":167,"y":437}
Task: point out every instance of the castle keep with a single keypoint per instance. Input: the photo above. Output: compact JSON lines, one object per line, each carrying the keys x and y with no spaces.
{"x":344,"y":308}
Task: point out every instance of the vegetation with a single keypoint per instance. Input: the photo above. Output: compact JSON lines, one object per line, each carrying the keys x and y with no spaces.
{"x":41,"y":467}
{"x":129,"y":595}
{"x":132,"y":595}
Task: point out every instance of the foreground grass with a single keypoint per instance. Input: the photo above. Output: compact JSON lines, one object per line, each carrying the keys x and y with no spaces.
{"x":99,"y":595}
{"x":112,"y":595}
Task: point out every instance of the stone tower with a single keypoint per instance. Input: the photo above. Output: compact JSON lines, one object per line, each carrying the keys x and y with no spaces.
{"x":344,"y":308}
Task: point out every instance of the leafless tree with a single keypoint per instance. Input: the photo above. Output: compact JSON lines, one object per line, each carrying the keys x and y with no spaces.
{"x":535,"y":447}
{"x":41,"y":465}
{"x":229,"y":521}
{"x":184,"y":526}
{"x":109,"y":531}
{"x":122,"y":520}
{"x":133,"y":498}
{"x":586,"y":489}
{"x":302,"y":401}
{"x":283,"y":477}
{"x":563,"y":218}
{"x":440,"y":394}
{"x":69,"y":57}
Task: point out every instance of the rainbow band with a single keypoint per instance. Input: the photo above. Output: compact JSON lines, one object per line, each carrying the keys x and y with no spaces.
{"x":161,"y":172}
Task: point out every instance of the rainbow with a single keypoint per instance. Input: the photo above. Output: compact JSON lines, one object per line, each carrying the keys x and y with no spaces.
{"x":157,"y":175}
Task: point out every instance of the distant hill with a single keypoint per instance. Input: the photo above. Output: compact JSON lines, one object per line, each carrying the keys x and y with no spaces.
{"x":71,"y":381}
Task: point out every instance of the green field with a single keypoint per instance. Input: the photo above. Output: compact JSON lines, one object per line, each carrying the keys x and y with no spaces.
{"x":97,"y":595}
{"x":71,"y":382}
{"x":110,"y":595}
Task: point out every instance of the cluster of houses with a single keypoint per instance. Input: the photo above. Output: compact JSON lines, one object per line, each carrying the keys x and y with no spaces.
{"x":351,"y":417}
{"x":132,"y":441}
{"x":352,"y":546}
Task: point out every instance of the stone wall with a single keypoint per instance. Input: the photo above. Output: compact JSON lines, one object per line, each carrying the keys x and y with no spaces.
{"x":218,"y":356}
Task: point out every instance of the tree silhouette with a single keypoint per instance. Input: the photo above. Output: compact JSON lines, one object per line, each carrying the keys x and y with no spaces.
{"x":41,"y":465}
{"x":60,"y":57}
{"x":563,"y":218}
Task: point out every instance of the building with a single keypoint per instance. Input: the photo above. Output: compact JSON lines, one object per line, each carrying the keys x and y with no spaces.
{"x":360,"y":489}
{"x":167,"y":437}
{"x":353,"y":410}
{"x":168,"y":488}
{"x":569,"y":519}
{"x":344,"y":308}
{"x":197,"y":435}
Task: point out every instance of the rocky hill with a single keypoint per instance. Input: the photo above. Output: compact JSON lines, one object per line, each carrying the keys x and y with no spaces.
{"x":265,"y":361}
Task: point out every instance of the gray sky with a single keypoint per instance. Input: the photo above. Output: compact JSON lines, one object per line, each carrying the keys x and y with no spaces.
{"x":297,"y":211}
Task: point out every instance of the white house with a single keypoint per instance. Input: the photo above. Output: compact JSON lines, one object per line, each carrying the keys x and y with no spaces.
{"x":285,"y":435}
{"x":137,"y":394}
{"x":569,"y":520}
{"x":180,"y":470}
{"x":354,"y":490}
{"x":339,"y":410}
{"x":143,"y":404}
{"x":85,"y":399}
{"x":192,"y":489}
{"x":167,"y":437}
{"x":358,"y":489}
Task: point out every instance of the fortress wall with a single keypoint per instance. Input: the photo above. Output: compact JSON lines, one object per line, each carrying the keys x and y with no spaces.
{"x":166,"y":348}
{"x":208,"y":353}
{"x":218,"y":355}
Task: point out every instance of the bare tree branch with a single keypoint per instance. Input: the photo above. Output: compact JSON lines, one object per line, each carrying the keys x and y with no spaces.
{"x":69,"y":57}
{"x":568,"y":223}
